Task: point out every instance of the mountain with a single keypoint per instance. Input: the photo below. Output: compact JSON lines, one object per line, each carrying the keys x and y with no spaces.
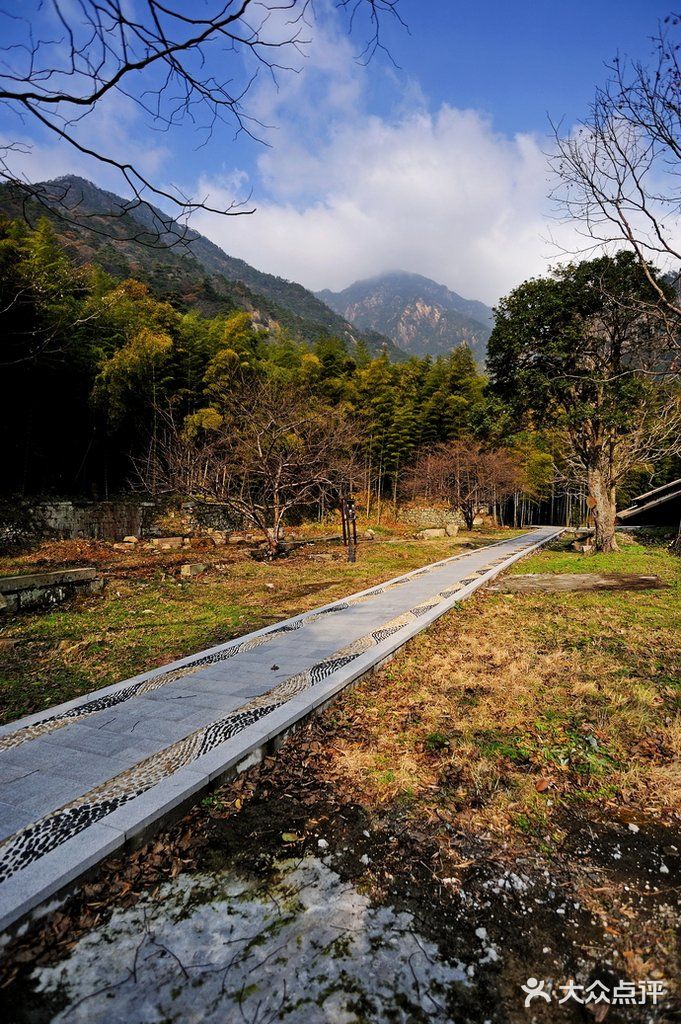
{"x":138,"y":240}
{"x":419,"y":315}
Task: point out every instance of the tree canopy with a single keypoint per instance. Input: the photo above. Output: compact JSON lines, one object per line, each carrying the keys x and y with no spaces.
{"x":584,"y":351}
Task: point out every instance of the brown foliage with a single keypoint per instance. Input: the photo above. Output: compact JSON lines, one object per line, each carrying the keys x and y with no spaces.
{"x":471,"y":478}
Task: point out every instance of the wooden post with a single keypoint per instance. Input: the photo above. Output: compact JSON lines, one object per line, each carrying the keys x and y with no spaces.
{"x":349,"y":517}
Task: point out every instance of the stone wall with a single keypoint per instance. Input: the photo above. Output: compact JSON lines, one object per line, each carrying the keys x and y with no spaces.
{"x":69,"y":520}
{"x":109,"y":520}
{"x":429,"y":518}
{"x":193,"y":517}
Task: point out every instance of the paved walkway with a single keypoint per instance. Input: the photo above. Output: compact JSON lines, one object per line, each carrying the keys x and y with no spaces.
{"x":80,"y":779}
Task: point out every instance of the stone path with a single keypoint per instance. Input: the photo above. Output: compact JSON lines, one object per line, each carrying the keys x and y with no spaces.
{"x":79,"y":780}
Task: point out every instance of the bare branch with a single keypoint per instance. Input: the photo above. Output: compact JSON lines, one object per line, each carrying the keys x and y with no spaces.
{"x":267,"y":451}
{"x":619,"y":172}
{"x":167,"y":59}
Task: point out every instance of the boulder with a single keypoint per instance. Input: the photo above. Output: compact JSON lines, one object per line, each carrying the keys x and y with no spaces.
{"x":192,"y":569}
{"x":452,"y":529}
{"x":131,"y":540}
{"x":431,"y":534}
{"x":585,"y":547}
{"x":369,"y":535}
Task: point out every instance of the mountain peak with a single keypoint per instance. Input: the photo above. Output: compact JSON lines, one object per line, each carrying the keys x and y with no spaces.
{"x":421,"y":316}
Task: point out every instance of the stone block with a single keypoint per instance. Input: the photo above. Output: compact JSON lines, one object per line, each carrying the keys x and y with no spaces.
{"x":42,"y":590}
{"x":192,"y":569}
{"x":12,"y":819}
{"x":131,"y":540}
{"x":167,"y":543}
{"x":36,"y":882}
{"x":12,"y":584}
{"x":431,"y":534}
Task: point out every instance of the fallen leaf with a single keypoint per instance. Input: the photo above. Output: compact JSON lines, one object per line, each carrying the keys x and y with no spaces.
{"x":541,"y":785}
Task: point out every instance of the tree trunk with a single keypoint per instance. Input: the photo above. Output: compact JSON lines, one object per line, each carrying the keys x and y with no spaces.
{"x":468,"y":513}
{"x":603,"y":493}
{"x":274,"y":543}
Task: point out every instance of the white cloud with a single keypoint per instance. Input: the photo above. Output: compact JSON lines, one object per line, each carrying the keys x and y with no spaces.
{"x":115,"y":129}
{"x":440,"y":194}
{"x":344,"y":194}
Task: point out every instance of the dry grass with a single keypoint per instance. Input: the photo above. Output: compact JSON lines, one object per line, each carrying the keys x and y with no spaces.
{"x":515,"y":707}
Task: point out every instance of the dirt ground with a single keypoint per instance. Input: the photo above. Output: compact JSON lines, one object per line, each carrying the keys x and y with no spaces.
{"x":549,"y":583}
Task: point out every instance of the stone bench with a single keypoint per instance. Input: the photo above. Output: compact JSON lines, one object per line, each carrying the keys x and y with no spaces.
{"x":43,"y":589}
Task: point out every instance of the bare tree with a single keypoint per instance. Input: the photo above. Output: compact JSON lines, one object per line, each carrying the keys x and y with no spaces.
{"x":178,"y":63}
{"x":619,"y":173}
{"x":466,"y":475}
{"x":271,"y":450}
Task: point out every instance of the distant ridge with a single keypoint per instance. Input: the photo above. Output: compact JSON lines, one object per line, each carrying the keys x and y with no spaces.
{"x":419,"y":315}
{"x":104,"y":228}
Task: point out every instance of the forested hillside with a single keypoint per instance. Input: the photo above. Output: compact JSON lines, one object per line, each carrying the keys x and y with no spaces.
{"x":106,"y":386}
{"x":138,"y":240}
{"x":92,"y":361}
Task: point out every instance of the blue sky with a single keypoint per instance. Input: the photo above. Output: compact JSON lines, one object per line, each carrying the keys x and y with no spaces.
{"x":437,"y":165}
{"x":519,"y":59}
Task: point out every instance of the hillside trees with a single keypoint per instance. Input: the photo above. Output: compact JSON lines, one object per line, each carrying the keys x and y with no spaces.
{"x":91,"y":364}
{"x":583,"y":352}
{"x":405,"y":406}
{"x":47,"y":357}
